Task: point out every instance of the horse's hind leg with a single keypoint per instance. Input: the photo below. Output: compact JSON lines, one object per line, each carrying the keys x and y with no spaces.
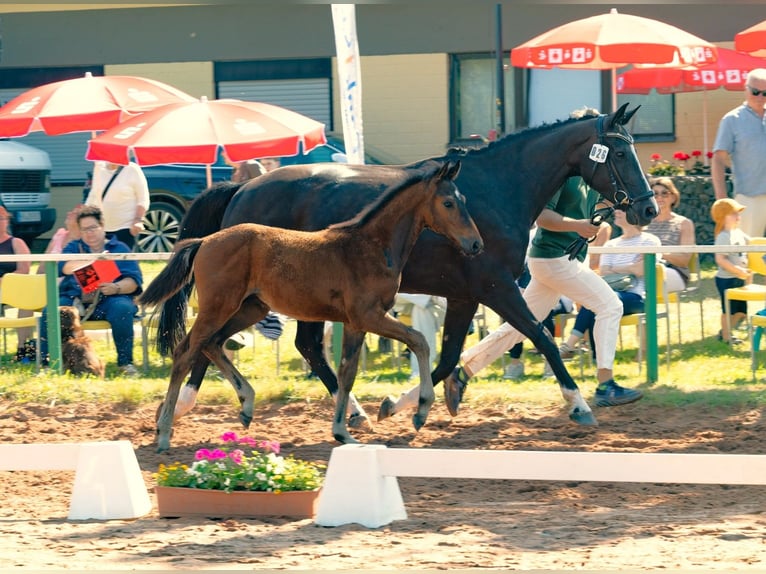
{"x":182,"y":361}
{"x":308,"y":341}
{"x":352,"y":345}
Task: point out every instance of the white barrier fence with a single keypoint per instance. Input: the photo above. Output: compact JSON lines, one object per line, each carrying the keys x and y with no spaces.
{"x":361,"y":484}
{"x":107,"y":483}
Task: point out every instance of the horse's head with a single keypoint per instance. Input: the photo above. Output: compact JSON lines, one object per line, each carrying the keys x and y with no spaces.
{"x":449,"y":215}
{"x":612,"y":168}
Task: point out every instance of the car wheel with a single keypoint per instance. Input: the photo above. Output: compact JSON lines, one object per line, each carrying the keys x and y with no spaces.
{"x":161,"y":226}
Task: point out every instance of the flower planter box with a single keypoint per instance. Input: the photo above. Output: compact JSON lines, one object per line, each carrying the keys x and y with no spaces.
{"x":173,"y":502}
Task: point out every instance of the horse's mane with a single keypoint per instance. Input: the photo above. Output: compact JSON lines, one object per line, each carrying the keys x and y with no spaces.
{"x":388,"y":194}
{"x":514,"y":137}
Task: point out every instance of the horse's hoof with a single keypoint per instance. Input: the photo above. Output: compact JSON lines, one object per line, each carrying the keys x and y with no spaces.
{"x":386,"y":409}
{"x":584,"y":418}
{"x":245,"y":419}
{"x":360,"y":422}
{"x":345,"y":439}
{"x":418,"y":421}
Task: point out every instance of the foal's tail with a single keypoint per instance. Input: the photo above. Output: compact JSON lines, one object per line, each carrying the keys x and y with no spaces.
{"x":203,"y":218}
{"x":171,"y":280}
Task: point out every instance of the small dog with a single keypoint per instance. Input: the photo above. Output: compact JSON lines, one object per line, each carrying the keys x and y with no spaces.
{"x":78,"y":355}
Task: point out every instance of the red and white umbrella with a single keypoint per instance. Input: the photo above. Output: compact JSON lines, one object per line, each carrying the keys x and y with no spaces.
{"x":729,"y":71}
{"x":752,"y":40}
{"x":611,"y":41}
{"x":87,"y":104}
{"x":195,"y":132}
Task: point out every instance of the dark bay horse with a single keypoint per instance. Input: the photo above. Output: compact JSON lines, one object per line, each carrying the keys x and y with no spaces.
{"x":507,"y":184}
{"x":348,"y":273}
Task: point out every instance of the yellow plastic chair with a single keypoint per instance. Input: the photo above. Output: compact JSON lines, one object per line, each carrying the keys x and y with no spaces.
{"x":753,"y":291}
{"x":25,"y":292}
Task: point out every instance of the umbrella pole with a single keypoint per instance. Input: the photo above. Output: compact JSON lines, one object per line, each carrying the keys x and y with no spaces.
{"x":704,"y":126}
{"x":614,"y":90}
{"x":209,"y":174}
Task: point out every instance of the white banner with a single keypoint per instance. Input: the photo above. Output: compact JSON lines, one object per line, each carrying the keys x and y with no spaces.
{"x":350,"y":79}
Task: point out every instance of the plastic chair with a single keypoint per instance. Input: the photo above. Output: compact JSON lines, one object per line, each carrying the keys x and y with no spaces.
{"x":692,"y":286}
{"x":753,"y":291}
{"x":638,"y":320}
{"x":25,"y":292}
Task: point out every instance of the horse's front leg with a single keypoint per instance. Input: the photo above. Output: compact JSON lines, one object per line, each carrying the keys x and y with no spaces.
{"x":389,"y":327}
{"x":182,"y":359}
{"x":352,"y":345}
{"x":456,"y":321}
{"x":308,"y":341}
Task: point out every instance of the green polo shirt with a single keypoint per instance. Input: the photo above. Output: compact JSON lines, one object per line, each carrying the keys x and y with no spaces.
{"x":574,"y":200}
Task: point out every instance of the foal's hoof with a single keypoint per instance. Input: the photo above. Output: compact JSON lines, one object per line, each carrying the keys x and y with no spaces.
{"x":345,"y":439}
{"x":584,"y":418}
{"x":386,"y":409}
{"x":418,"y":421}
{"x":245,"y":419}
{"x":360,"y":421}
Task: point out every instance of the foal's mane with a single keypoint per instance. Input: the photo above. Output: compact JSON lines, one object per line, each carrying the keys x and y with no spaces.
{"x":418,"y":175}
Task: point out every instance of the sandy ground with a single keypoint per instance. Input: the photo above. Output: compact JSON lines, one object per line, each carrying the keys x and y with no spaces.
{"x":452,"y":524}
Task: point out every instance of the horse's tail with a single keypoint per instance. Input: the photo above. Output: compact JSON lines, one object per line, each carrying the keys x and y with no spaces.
{"x":203,"y":218}
{"x":171,"y":281}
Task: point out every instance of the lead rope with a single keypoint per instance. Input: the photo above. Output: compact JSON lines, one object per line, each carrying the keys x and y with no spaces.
{"x":600,"y":215}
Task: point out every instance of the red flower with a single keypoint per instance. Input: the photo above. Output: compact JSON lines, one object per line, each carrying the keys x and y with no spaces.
{"x":709,"y":155}
{"x":656,"y":157}
{"x":696,"y":153}
{"x":681,"y":156}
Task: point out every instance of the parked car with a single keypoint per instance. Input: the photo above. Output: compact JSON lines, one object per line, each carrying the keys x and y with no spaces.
{"x":174,"y":186}
{"x":25,"y":189}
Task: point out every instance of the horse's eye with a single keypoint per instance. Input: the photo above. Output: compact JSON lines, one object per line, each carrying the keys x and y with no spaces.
{"x":448,"y":204}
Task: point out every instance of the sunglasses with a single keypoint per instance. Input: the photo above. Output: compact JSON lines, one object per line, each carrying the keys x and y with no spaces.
{"x":662,"y":193}
{"x":757,"y":92}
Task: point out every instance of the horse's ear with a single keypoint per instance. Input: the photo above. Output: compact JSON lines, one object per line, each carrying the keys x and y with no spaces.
{"x":621,"y":117}
{"x":453,"y":168}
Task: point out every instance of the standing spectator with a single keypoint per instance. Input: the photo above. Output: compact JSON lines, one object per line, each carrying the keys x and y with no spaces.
{"x":115,"y":299}
{"x":632,"y":298}
{"x":10,"y":245}
{"x":672,"y":229}
{"x":122,"y":194}
{"x":732,"y":267}
{"x":741,"y":139}
{"x":271,"y":163}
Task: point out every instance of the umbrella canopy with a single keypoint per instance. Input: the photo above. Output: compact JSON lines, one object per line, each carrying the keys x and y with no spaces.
{"x":87,"y":104}
{"x":611,"y":41}
{"x":729,"y":71}
{"x":193,"y":132}
{"x":752,"y":40}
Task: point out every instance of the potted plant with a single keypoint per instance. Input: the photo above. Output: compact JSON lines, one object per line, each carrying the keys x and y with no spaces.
{"x":243,"y":477}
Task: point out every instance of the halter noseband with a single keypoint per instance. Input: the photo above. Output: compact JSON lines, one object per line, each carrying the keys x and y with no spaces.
{"x":600,"y":154}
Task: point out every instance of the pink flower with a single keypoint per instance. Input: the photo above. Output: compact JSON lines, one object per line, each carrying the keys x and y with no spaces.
{"x":218,"y":453}
{"x":202,"y":454}
{"x":236,"y":456}
{"x":229,"y":437}
{"x":247,"y":440}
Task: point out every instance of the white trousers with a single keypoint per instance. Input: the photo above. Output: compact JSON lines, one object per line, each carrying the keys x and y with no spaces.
{"x":552,"y":278}
{"x":427,"y":314}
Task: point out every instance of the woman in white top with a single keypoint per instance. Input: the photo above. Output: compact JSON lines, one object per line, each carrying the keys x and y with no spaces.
{"x":125,"y":202}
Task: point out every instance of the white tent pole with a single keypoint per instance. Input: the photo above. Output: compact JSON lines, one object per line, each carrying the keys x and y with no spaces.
{"x":704,"y":126}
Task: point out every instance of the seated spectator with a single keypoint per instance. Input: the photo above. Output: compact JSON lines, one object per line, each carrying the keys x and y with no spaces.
{"x":10,"y":245}
{"x":672,"y":229}
{"x":616,"y":263}
{"x":114,"y":300}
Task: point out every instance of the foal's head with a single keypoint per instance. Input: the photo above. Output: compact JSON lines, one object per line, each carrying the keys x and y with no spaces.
{"x":448,"y":214}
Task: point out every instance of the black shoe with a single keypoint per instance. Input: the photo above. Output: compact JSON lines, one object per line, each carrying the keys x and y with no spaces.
{"x":454,"y":388}
{"x":610,"y":394}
